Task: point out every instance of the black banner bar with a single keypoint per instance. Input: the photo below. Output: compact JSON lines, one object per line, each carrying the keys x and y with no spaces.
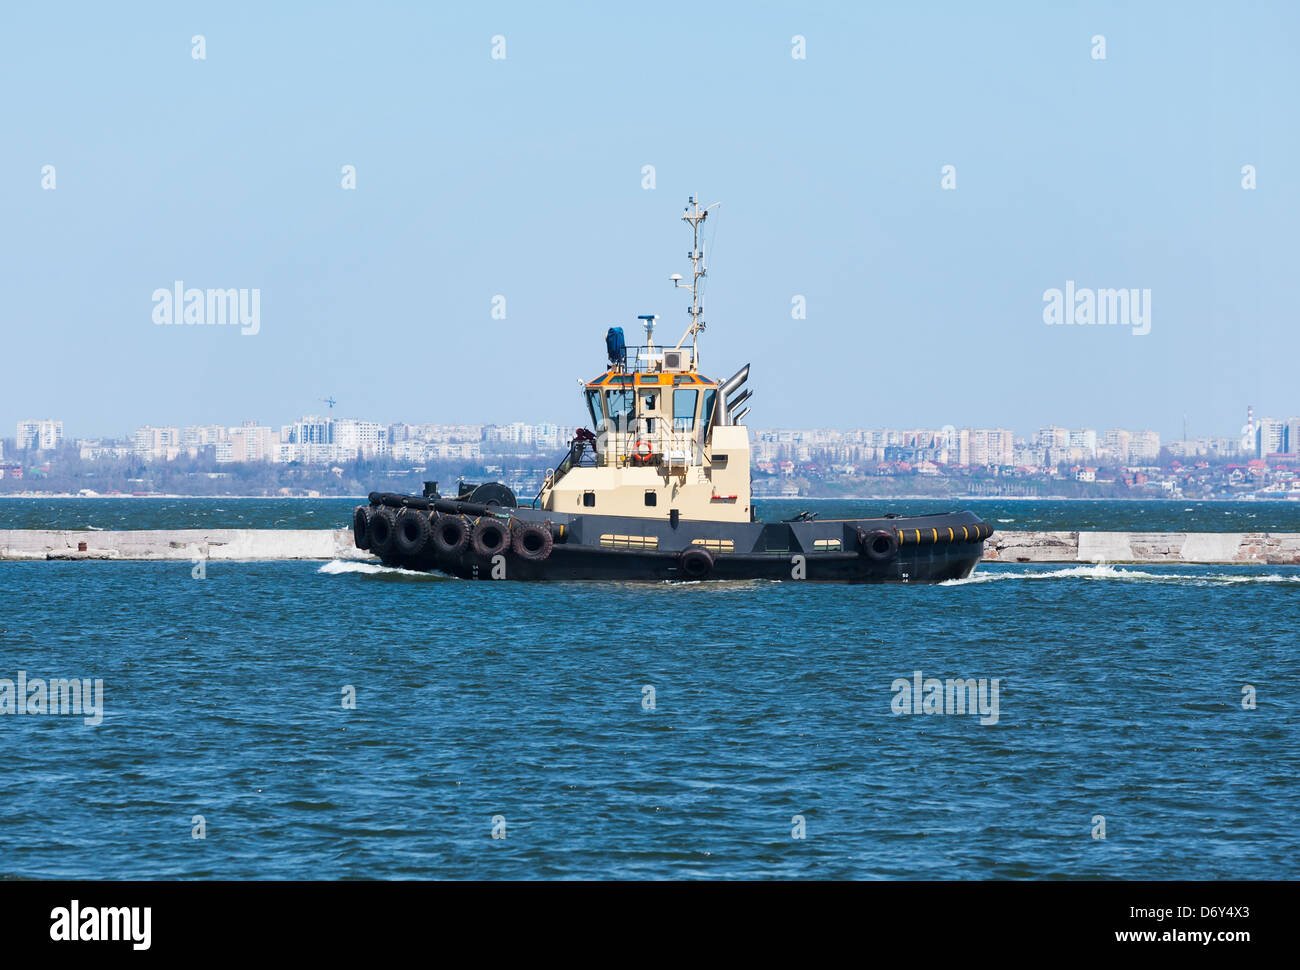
{"x":147,"y":919}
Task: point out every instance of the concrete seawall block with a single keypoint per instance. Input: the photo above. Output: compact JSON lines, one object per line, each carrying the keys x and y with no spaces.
{"x":1032,"y":547}
{"x":1211,"y":547}
{"x":1105,"y":547}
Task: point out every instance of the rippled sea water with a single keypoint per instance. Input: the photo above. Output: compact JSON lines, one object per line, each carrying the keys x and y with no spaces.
{"x":1120,"y":695}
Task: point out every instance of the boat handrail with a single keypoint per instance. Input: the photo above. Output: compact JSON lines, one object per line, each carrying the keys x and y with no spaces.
{"x":643,"y":358}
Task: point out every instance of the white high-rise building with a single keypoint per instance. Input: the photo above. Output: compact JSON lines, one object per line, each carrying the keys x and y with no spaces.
{"x":1143,"y":446}
{"x":1115,"y":443}
{"x":1085,"y":440}
{"x":311,"y":430}
{"x":45,"y":435}
{"x":197,"y":437}
{"x":1293,"y":436}
{"x":1052,"y":436}
{"x":248,"y":442}
{"x":1270,"y":437}
{"x":360,"y":438}
{"x":992,"y":447}
{"x":149,"y":443}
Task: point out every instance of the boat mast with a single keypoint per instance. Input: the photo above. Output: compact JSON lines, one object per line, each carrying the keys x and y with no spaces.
{"x":694,"y":215}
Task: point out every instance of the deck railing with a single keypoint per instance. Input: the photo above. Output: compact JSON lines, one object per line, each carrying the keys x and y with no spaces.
{"x":640,"y":358}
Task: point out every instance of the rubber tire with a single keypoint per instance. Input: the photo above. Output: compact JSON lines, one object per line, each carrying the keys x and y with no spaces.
{"x":871,"y":544}
{"x":479,"y":537}
{"x":383,"y":530}
{"x":696,"y":562}
{"x":458,"y":526}
{"x":361,"y":527}
{"x":412,"y":533}
{"x":533,"y":542}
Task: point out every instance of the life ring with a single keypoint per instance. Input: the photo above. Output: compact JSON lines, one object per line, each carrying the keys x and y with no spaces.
{"x":533,"y":542}
{"x":450,"y":534}
{"x":642,"y":452}
{"x":879,"y":545}
{"x":361,"y":527}
{"x":697,"y":562}
{"x":412,"y":532}
{"x":489,"y":537}
{"x":383,"y":526}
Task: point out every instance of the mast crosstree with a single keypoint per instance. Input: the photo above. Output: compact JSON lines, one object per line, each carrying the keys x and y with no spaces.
{"x":695,"y":216}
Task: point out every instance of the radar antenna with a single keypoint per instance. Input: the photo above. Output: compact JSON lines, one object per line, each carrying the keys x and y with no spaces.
{"x":694,"y":215}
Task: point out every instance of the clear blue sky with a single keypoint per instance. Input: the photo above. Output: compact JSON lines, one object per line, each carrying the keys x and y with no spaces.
{"x":522,"y":177}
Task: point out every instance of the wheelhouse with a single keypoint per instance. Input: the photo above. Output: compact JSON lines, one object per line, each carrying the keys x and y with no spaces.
{"x":651,"y":417}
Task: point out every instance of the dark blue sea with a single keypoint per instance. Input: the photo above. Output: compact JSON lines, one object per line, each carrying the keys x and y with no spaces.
{"x":524,"y":710}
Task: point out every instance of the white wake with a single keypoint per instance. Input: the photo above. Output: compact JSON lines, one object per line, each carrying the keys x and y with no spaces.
{"x":1105,"y":572}
{"x":340,"y":567}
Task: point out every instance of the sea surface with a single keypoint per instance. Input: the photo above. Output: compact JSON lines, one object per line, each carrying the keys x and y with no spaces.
{"x":1178,"y":515}
{"x":524,"y":710}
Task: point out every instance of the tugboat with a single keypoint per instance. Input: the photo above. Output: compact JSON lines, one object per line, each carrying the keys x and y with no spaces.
{"x":657,"y":490}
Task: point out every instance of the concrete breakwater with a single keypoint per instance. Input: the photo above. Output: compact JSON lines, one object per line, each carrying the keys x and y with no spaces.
{"x":161,"y":544}
{"x":1267,"y":548}
{"x":1276,"y":548}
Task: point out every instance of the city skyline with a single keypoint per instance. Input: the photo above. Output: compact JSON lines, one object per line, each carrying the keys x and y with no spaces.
{"x":317,"y":438}
{"x":317,"y":455}
{"x":1220,"y":430}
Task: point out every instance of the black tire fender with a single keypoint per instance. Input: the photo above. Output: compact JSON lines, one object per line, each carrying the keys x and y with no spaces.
{"x":361,"y":527}
{"x":449,"y":534}
{"x":382,"y":530}
{"x":532,"y":541}
{"x":696,"y":562}
{"x":878,"y":545}
{"x":412,"y":532}
{"x":489,"y":537}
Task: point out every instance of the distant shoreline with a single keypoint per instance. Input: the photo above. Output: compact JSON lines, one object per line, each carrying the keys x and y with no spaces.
{"x":1011,"y":498}
{"x":224,"y":498}
{"x":757,"y":499}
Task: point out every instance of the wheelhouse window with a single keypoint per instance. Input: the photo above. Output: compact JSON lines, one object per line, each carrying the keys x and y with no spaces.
{"x":620,"y":405}
{"x":706,"y":414}
{"x":593,"y":408}
{"x":684,"y":409}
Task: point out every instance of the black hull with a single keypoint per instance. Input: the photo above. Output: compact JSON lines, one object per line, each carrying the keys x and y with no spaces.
{"x":890,"y":549}
{"x":585,"y":563}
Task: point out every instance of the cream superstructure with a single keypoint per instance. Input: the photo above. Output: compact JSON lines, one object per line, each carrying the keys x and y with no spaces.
{"x":666,"y":439}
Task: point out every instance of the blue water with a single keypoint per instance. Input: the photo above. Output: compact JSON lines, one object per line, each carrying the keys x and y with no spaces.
{"x":1120,"y":692}
{"x":1005,"y":514}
